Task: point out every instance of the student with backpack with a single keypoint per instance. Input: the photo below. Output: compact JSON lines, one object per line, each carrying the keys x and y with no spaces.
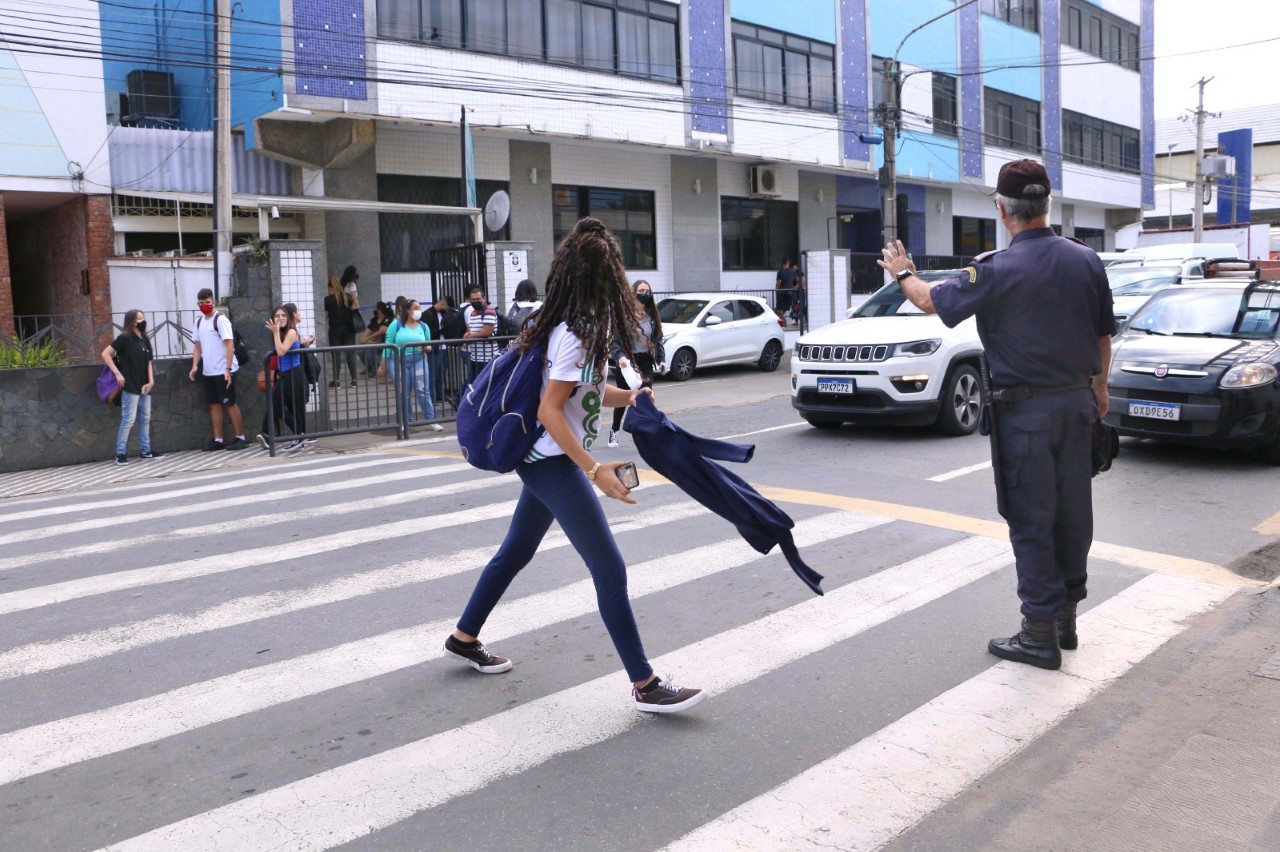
{"x":214,"y":356}
{"x":588,"y":304}
{"x":525,"y":303}
{"x":482,"y":323}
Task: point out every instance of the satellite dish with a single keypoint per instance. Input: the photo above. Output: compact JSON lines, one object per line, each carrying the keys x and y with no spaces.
{"x":497,"y":211}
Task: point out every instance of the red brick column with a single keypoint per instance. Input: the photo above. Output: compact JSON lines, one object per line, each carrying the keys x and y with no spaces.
{"x":6,"y":282}
{"x":99,"y":247}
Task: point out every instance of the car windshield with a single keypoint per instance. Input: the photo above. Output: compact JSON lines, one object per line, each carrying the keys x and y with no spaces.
{"x":1208,"y":313}
{"x":680,"y":310}
{"x":1140,"y":281}
{"x":889,"y":300}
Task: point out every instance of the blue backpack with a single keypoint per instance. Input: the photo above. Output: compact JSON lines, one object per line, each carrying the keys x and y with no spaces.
{"x":498,"y":415}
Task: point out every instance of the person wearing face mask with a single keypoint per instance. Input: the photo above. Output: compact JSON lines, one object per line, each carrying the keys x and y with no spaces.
{"x":213,"y":352}
{"x":482,"y":323}
{"x":646,"y":345}
{"x":129,"y":358}
{"x":407,"y":330}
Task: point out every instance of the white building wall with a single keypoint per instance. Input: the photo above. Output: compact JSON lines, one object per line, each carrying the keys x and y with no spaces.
{"x":1103,"y":90}
{"x":549,"y":99}
{"x":1130,"y":10}
{"x":614,"y":168}
{"x":1100,"y":186}
{"x":436,"y":152}
{"x":775,"y":132}
{"x":917,"y":100}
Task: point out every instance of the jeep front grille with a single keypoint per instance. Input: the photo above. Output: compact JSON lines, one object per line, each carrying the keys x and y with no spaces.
{"x":865,"y":354}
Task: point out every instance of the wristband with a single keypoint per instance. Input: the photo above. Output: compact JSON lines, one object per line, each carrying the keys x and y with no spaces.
{"x":591,"y":474}
{"x":904,"y":274}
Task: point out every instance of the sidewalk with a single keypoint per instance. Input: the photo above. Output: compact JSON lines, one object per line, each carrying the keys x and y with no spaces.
{"x":49,"y":480}
{"x":1183,"y":753}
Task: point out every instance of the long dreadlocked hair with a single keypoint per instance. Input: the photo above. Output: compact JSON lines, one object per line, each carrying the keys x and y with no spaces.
{"x":587,"y":289}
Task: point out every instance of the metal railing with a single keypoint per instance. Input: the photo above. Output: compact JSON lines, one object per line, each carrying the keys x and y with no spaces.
{"x":395,"y":388}
{"x":80,"y":339}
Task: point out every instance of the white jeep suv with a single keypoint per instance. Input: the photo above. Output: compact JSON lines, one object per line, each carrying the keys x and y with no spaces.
{"x":890,"y":363}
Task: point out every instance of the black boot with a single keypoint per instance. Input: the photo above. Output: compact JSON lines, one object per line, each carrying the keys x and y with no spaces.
{"x":1067,"y":638}
{"x":1036,"y":644}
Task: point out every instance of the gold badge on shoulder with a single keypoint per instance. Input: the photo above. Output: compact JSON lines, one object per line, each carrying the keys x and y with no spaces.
{"x":973,"y":274}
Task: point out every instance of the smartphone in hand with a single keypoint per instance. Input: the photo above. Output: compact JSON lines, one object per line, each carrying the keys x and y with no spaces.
{"x":628,"y":475}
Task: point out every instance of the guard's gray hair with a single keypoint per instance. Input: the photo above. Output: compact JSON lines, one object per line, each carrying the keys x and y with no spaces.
{"x":1025,"y":209}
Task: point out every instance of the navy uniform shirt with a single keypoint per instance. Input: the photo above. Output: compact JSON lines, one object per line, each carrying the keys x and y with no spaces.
{"x":1041,"y":306}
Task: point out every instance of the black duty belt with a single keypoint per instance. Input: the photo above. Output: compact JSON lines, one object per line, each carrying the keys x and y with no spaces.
{"x":1017,"y":393}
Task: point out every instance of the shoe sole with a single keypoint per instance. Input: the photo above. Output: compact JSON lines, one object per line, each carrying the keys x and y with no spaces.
{"x":483,"y":669}
{"x":673,"y":708}
{"x":1050,"y":664}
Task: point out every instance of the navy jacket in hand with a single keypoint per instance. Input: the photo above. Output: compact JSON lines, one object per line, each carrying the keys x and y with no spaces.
{"x":686,"y":460}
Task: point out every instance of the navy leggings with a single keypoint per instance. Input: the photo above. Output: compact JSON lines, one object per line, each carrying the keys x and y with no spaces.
{"x":556,"y":489}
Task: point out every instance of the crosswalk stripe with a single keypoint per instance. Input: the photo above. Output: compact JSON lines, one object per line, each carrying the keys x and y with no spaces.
{"x":205,"y":486}
{"x":878,"y":788}
{"x":82,"y":647}
{"x":218,"y":563}
{"x":350,"y":801}
{"x":239,"y":524}
{"x":41,"y":748}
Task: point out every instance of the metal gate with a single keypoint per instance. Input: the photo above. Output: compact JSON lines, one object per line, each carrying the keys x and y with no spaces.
{"x":455,"y":270}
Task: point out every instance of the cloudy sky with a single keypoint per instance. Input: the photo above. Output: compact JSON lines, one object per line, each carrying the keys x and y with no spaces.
{"x":1242,"y":76}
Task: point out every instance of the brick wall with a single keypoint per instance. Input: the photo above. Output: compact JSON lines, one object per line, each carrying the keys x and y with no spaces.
{"x":6,"y":285}
{"x":99,"y":248}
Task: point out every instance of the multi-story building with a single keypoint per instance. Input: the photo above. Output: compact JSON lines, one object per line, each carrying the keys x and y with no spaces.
{"x":716,"y":137}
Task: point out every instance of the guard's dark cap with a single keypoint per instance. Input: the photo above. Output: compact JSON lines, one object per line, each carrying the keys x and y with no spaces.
{"x":1023,"y":179}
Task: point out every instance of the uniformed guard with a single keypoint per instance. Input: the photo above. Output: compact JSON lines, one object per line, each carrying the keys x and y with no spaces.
{"x":1043,"y":310}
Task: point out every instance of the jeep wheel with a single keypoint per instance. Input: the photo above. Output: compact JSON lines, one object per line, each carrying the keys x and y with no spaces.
{"x":771,"y":357}
{"x":681,"y":368}
{"x":821,"y":423}
{"x":961,"y":401}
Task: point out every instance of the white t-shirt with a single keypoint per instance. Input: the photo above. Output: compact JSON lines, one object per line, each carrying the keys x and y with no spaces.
{"x":566,"y":362}
{"x":211,"y":332}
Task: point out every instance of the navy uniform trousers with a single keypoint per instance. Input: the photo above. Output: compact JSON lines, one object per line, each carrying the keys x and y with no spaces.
{"x":1045,"y":451}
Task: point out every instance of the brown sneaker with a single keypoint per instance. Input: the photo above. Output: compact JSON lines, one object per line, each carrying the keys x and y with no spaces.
{"x":477,"y":655}
{"x":663,"y":696}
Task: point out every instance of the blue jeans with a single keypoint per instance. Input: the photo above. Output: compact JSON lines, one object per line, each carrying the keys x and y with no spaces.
{"x":439,"y":360}
{"x":556,"y":489}
{"x":418,"y":384}
{"x":134,"y":406}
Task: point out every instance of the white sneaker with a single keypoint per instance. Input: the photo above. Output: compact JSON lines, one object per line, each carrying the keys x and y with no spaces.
{"x":613,"y":438}
{"x":294,"y":445}
{"x":436,"y":427}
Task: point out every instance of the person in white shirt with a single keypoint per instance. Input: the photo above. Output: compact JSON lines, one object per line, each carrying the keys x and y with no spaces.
{"x":589,"y":303}
{"x":213,"y":352}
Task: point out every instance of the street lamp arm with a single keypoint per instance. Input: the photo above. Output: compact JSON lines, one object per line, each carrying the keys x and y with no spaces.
{"x":927,"y":23}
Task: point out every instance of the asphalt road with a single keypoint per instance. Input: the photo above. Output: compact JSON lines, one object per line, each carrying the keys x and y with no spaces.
{"x":251,"y":659}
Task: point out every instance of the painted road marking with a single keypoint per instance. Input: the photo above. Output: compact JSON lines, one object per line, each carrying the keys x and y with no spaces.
{"x":1271,"y":526}
{"x":762,"y":431}
{"x":350,"y":801}
{"x":66,"y":741}
{"x":869,"y":794}
{"x":959,"y":472}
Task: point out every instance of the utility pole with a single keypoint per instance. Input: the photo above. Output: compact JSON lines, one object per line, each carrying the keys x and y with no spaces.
{"x":890,"y":116}
{"x":1197,"y":202}
{"x":222,"y":152}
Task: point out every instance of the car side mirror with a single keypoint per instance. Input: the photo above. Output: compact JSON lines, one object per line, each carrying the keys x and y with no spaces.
{"x":712,"y":320}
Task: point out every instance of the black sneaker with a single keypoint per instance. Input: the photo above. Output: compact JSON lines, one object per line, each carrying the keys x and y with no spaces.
{"x":153,"y":455}
{"x":122,"y":460}
{"x":477,"y":655}
{"x":310,"y":442}
{"x":663,"y":696}
{"x":295,"y":444}
{"x":238,"y":444}
{"x":211,"y":446}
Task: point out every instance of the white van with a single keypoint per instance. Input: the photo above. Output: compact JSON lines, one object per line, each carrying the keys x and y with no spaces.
{"x":1178,"y":252}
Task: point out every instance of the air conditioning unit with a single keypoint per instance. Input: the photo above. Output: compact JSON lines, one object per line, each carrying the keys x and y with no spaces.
{"x":151,"y":94}
{"x":766,"y":182}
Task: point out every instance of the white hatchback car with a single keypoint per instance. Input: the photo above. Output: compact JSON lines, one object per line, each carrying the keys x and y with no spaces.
{"x":889,"y":362}
{"x":701,"y":329}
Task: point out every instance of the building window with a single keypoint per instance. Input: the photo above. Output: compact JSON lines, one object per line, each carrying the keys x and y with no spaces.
{"x":757,"y":234}
{"x":407,"y":239}
{"x":1094,"y":238}
{"x":1098,"y":32}
{"x":972,"y":236}
{"x":1011,"y":121}
{"x":1093,"y":142}
{"x":1020,"y":13}
{"x":637,"y":38}
{"x":944,"y":104}
{"x":626,"y":212}
{"x":784,"y":69}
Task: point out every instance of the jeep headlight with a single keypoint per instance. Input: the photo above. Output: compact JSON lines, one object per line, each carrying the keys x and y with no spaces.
{"x":1248,"y":375}
{"x":917,"y":348}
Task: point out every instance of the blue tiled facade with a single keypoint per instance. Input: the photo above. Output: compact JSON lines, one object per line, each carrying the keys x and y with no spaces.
{"x":1051,"y":54}
{"x":708,"y":76}
{"x":855,"y":118}
{"x":329,"y":48}
{"x":970,"y":85}
{"x":1148,"y":84}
